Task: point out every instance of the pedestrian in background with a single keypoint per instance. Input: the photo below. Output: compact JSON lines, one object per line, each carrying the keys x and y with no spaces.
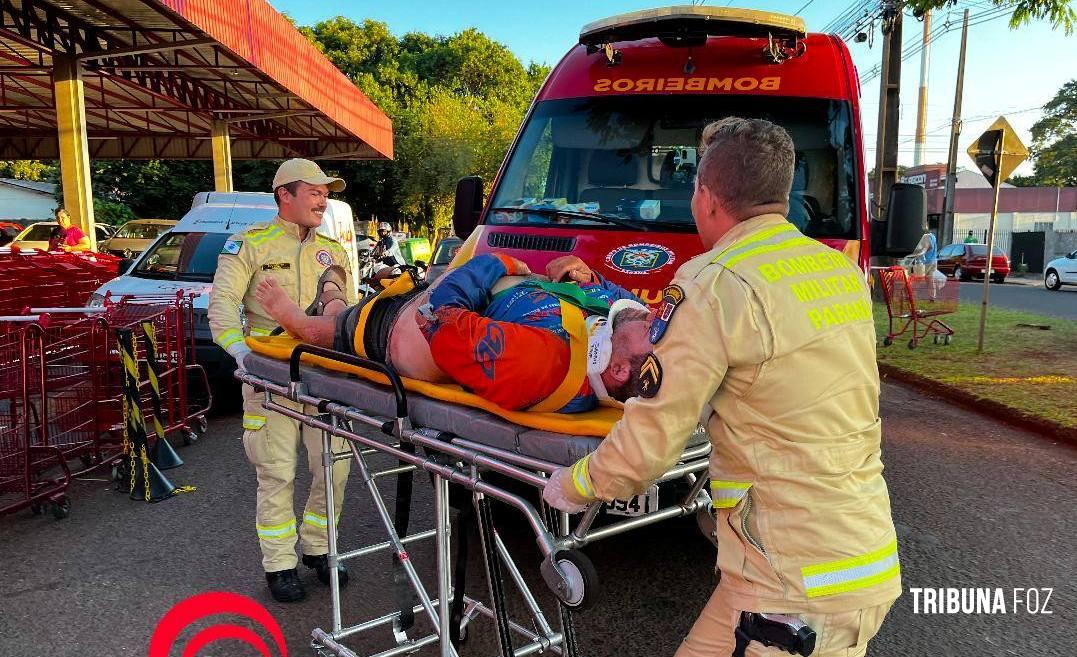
{"x":70,"y":238}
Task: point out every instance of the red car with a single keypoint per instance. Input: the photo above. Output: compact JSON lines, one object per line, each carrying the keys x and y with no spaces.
{"x":967,"y":261}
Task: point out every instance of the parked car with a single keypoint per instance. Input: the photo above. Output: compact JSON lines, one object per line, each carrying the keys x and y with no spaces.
{"x":37,"y":236}
{"x":185,"y":258}
{"x":967,"y":261}
{"x":443,"y":255}
{"x":1061,"y":271}
{"x":134,"y":236}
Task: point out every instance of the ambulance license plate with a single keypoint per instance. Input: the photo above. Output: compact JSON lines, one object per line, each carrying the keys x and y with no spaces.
{"x":637,"y":505}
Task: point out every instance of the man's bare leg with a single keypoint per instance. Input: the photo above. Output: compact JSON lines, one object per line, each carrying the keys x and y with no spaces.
{"x":312,"y":330}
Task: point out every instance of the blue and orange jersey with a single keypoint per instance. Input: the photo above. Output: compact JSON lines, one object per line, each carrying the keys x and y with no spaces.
{"x":511,"y":348}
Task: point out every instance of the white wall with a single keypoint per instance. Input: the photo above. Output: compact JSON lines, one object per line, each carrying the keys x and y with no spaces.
{"x":16,"y":203}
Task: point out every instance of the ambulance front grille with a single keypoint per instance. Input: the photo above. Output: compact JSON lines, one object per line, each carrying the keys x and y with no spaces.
{"x":531,"y":242}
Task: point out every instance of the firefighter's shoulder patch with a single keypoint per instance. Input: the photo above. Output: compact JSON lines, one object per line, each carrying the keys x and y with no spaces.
{"x":650,"y":376}
{"x":672,"y":296}
{"x":232,"y":247}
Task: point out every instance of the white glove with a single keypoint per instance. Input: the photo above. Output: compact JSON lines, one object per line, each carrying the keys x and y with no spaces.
{"x":240,"y":355}
{"x":554,"y":493}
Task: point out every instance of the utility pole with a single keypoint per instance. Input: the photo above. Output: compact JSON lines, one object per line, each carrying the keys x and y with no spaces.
{"x":889,"y":106}
{"x":946,"y":230}
{"x":921,"y":105}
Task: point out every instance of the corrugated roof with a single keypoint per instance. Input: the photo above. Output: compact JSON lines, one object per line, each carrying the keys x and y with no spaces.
{"x":34,"y":186}
{"x":146,"y":98}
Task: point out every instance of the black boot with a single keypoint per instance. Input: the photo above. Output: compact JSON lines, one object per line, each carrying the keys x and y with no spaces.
{"x":285,"y":586}
{"x":320,"y":563}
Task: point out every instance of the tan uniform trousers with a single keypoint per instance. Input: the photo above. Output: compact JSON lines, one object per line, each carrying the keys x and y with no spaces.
{"x":843,"y":634}
{"x":272,"y":449}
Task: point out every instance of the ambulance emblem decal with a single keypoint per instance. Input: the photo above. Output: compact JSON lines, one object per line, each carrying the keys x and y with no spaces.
{"x":324,"y":257}
{"x":642,"y":258}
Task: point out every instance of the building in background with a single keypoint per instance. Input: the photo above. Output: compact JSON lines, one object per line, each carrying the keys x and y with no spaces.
{"x":25,"y":199}
{"x":1034,"y":225}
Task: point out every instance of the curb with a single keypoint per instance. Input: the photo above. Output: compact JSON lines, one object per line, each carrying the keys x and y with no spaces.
{"x":988,"y":407}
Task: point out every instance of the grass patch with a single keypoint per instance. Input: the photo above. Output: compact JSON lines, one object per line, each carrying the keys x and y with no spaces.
{"x":1027,"y":369}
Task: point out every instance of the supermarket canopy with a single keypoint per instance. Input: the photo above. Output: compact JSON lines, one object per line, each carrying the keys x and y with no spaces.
{"x":159,"y":75}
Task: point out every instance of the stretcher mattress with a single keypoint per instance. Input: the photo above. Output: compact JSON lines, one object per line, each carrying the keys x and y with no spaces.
{"x":596,"y":423}
{"x":468,"y":423}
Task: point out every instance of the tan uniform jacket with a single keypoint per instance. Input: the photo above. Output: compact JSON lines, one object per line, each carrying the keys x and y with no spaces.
{"x":774,"y":340}
{"x":263,"y":250}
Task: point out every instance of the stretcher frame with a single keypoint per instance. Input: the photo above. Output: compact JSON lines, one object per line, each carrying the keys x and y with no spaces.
{"x":451,"y":459}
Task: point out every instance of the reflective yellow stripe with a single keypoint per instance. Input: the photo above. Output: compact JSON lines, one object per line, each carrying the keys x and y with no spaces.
{"x":266,"y":235}
{"x":853,"y":573}
{"x":769,"y":248}
{"x":253,"y":422}
{"x":283,"y":530}
{"x":230,"y":337}
{"x":315,"y":520}
{"x":581,"y":478}
{"x":260,"y":331}
{"x":752,"y":239}
{"x":726,"y":494}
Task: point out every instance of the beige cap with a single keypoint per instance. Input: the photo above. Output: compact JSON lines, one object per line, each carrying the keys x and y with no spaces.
{"x":307,"y":171}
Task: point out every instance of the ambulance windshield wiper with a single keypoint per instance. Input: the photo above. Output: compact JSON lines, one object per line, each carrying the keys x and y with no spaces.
{"x":590,"y":216}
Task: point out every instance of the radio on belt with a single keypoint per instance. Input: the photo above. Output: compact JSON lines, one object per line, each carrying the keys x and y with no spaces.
{"x":786,"y":632}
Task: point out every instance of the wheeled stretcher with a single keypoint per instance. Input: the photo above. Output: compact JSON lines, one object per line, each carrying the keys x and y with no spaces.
{"x":459,"y":447}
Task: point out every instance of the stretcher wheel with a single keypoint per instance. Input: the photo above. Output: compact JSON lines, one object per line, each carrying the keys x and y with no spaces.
{"x":946,"y":339}
{"x":37,"y":509}
{"x":887,"y":341}
{"x":580,"y":579}
{"x":935,"y":339}
{"x":203,"y":424}
{"x":61,"y":508}
{"x":912,"y":343}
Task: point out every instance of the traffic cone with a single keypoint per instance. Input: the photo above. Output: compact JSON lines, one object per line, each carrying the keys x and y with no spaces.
{"x":164,"y":456}
{"x":160,"y":487}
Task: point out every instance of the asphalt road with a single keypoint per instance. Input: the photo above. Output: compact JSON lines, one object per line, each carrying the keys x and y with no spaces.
{"x":977,"y":504}
{"x":1034,"y":299}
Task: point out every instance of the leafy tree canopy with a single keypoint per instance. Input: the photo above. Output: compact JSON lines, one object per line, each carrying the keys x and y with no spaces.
{"x":1058,"y":12}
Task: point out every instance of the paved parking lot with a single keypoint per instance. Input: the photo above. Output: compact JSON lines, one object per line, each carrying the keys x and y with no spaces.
{"x":977,"y":504}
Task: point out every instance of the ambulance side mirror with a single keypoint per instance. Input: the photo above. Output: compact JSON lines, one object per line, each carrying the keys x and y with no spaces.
{"x":468,"y":206}
{"x":906,"y":216}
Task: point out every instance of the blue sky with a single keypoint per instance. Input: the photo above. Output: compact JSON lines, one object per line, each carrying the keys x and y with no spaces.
{"x":1007,"y":72}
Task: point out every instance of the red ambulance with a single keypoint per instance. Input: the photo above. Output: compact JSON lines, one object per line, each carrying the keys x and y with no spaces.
{"x":604,"y":164}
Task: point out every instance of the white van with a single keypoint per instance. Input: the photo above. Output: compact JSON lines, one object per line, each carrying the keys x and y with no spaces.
{"x":185,"y":257}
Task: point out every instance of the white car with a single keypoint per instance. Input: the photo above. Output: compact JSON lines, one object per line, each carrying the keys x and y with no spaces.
{"x":1061,"y":271}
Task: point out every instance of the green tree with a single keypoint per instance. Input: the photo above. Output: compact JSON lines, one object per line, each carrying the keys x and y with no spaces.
{"x":1054,"y":139}
{"x":455,"y":102}
{"x":1058,"y":12}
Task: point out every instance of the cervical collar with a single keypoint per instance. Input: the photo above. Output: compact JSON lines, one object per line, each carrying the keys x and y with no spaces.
{"x":600,"y":344}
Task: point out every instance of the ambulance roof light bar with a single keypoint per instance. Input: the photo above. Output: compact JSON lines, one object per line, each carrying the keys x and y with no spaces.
{"x":690,"y":25}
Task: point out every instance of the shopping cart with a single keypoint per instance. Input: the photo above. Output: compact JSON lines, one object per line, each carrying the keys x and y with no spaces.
{"x":31,"y":474}
{"x":914,"y":301}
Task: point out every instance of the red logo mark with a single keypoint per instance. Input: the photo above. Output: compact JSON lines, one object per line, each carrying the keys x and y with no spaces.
{"x":197,"y":607}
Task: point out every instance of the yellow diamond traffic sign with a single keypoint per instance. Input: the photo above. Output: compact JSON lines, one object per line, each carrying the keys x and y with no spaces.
{"x":998,"y":151}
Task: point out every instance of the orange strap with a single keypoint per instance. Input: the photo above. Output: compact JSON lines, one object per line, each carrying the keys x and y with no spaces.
{"x":572,"y":321}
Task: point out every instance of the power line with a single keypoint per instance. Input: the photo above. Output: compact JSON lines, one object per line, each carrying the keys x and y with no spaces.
{"x":806,"y":5}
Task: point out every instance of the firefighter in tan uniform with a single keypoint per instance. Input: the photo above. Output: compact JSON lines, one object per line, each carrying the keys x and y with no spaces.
{"x":770,"y":334}
{"x":290,"y":250}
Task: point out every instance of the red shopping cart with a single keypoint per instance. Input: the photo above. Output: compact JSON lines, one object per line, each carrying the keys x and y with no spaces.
{"x":915,"y":302}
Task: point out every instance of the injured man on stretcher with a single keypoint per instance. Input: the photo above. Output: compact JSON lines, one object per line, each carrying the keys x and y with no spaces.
{"x":520,"y":340}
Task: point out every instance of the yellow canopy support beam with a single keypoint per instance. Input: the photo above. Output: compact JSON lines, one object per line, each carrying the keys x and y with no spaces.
{"x":74,"y":148}
{"x":222,"y":157}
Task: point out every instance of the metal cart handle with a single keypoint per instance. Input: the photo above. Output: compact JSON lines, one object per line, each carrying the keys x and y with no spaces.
{"x":390,"y":373}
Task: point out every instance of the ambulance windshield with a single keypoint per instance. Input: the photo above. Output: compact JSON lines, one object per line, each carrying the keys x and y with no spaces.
{"x":635,"y":157}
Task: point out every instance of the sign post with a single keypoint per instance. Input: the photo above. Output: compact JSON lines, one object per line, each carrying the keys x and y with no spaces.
{"x":997,"y":152}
